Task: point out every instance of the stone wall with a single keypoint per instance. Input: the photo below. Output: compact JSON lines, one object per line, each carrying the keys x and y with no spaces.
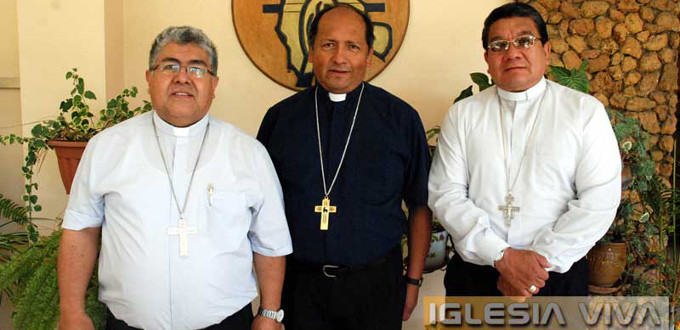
{"x":631,"y":47}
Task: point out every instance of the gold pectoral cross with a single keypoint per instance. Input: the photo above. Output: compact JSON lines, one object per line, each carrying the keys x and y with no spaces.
{"x":325,"y":208}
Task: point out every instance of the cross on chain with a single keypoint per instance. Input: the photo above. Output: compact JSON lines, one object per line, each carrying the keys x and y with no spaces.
{"x":508,"y":209}
{"x":182,"y":231}
{"x":325,"y":209}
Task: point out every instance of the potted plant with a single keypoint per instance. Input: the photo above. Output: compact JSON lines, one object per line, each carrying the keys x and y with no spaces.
{"x":68,"y":134}
{"x":28,"y":274}
{"x":29,"y":279}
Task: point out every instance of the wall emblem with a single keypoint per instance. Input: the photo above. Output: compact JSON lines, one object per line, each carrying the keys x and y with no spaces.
{"x":273,"y":34}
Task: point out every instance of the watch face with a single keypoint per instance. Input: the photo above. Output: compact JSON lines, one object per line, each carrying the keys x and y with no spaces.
{"x":279,"y":316}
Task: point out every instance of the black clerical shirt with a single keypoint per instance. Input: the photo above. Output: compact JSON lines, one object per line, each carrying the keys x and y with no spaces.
{"x":387,"y":160}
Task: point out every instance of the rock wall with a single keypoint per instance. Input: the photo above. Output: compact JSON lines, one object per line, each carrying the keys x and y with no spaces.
{"x":632,"y":49}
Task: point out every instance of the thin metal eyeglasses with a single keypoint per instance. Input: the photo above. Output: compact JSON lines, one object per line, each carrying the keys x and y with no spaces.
{"x":521,"y":42}
{"x":193,"y":70}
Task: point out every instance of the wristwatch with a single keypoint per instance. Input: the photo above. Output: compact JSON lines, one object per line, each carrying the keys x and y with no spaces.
{"x":413,"y":281}
{"x":274,"y":315}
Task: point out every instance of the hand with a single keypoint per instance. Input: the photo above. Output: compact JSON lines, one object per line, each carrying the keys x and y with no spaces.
{"x":522,"y":269}
{"x":75,"y":321}
{"x":515,"y":294}
{"x":411,"y":301}
{"x":265,"y":323}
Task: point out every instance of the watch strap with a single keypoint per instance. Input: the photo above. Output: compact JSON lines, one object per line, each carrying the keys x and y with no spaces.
{"x":270,"y":314}
{"x":413,"y":281}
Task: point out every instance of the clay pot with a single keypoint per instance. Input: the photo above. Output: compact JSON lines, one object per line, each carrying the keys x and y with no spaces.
{"x":607,"y":262}
{"x":68,"y":158}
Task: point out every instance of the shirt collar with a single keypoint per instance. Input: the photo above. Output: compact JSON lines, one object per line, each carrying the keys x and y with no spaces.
{"x":531,"y":93}
{"x":339,"y":97}
{"x":194,"y":129}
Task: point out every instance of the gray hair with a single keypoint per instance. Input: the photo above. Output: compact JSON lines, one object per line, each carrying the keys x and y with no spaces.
{"x":183,"y":35}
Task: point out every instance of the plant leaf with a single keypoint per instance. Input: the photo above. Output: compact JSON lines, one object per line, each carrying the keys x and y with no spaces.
{"x":90,"y":95}
{"x":464,"y":94}
{"x":480,"y":80}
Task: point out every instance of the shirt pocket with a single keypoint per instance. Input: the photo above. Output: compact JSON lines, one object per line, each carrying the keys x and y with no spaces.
{"x":228,"y":220}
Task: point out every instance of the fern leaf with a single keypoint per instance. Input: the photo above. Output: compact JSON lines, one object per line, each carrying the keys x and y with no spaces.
{"x":12,"y":211}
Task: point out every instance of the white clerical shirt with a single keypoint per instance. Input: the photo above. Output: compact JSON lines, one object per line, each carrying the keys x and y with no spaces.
{"x":235,"y":206}
{"x":567,"y":189}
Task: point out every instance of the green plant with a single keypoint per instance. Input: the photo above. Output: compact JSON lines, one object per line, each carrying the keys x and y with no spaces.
{"x":75,"y":122}
{"x":481,"y":80}
{"x":30,"y":280}
{"x":575,"y":78}
{"x":646,"y":217}
{"x":10,"y":241}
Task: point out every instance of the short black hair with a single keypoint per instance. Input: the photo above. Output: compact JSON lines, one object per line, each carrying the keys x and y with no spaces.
{"x":514,"y":10}
{"x":314,"y":28}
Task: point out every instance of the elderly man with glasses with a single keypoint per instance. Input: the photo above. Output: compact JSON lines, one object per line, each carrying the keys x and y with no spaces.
{"x":184,"y":203}
{"x":526,"y":177}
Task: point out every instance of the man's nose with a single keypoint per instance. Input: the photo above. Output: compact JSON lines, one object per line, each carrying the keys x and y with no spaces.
{"x":182,"y":76}
{"x":512,"y":51}
{"x":340,"y":55}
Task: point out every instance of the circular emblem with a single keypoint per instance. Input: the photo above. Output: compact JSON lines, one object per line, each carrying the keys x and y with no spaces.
{"x":273,"y":34}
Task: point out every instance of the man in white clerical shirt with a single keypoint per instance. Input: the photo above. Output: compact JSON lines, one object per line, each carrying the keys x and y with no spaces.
{"x":184,"y":203}
{"x":526,"y":177}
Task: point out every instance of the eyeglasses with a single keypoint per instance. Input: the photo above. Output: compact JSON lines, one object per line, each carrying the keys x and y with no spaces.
{"x":522,"y":42}
{"x":197,"y":71}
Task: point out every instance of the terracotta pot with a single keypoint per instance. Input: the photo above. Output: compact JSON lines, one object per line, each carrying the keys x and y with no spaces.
{"x":68,"y":157}
{"x":606,"y":262}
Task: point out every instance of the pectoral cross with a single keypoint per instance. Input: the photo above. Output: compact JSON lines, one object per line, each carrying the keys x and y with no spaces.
{"x":508,"y":209}
{"x":182,"y":231}
{"x":325,"y":208}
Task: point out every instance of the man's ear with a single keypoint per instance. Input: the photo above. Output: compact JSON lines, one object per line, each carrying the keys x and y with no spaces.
{"x":546,"y":49}
{"x":369,"y":60}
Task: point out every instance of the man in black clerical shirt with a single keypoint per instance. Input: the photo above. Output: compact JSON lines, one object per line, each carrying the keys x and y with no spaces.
{"x":347,"y":154}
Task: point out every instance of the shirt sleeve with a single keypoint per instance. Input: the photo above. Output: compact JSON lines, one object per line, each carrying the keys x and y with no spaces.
{"x":85,"y":205}
{"x":415,"y":188}
{"x":269,"y":235}
{"x":598,"y":193}
{"x":468,"y":224}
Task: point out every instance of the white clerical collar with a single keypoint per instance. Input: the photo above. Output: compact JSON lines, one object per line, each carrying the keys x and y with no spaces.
{"x":533,"y":92}
{"x":194,"y":129}
{"x":337,"y":97}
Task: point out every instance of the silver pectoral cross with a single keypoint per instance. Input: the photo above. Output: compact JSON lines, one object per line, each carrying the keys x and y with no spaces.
{"x":182,"y":231}
{"x":508,"y":209}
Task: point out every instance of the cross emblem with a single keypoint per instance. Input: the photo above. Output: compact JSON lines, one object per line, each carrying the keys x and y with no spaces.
{"x":325,"y":209}
{"x":508,"y":209}
{"x":182,"y":231}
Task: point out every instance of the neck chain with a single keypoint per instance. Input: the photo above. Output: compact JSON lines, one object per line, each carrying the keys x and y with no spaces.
{"x":508,"y":208}
{"x":167,"y":171}
{"x":325,"y":208}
